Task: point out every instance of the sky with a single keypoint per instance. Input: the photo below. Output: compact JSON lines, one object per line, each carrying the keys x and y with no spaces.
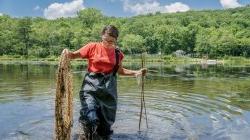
{"x":52,"y":9}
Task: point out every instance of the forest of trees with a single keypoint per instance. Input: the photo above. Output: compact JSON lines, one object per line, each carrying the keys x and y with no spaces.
{"x":215,"y":33}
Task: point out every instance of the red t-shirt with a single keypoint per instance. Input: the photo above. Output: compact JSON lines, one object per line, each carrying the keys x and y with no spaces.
{"x":101,"y":59}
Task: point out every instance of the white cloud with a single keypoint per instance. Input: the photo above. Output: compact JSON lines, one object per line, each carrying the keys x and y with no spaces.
{"x":37,"y":8}
{"x":177,"y":7}
{"x":141,"y":8}
{"x":68,"y":9}
{"x":230,"y":3}
{"x":152,"y":6}
{"x":1,"y":14}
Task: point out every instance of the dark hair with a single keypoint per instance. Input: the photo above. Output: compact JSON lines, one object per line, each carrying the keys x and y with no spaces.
{"x":111,"y":30}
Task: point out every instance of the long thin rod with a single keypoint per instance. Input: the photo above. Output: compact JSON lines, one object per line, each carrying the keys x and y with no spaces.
{"x":143,"y":104}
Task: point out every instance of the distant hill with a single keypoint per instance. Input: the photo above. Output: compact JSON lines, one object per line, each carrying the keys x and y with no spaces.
{"x":214,"y":33}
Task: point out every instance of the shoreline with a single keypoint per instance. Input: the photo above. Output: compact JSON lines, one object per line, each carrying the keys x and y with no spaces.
{"x":167,"y":59}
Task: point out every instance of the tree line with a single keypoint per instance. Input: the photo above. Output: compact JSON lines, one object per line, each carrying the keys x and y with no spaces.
{"x":214,"y":33}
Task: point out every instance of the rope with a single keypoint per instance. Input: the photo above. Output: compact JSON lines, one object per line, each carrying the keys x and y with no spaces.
{"x":63,"y":100}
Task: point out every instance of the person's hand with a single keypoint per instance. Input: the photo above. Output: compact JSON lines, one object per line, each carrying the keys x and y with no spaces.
{"x":141,"y":72}
{"x":67,"y":52}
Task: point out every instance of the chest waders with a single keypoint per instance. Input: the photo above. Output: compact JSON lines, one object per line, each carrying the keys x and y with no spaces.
{"x":98,"y":96}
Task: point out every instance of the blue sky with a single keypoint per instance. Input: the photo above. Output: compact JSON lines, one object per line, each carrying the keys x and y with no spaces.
{"x":52,"y":9}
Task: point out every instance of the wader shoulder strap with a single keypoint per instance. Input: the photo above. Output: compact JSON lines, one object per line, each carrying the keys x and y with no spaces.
{"x":116,"y":67}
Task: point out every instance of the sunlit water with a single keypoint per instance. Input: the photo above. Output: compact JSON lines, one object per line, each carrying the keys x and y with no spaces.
{"x":183,"y":102}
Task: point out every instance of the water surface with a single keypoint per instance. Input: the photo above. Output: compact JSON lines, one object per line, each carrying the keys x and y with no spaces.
{"x":183,"y":102}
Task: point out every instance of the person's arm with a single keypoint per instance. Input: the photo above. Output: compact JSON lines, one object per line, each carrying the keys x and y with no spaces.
{"x":72,"y":55}
{"x":127,"y":72}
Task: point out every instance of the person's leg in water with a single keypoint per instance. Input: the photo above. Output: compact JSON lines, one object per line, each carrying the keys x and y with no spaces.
{"x":88,"y":116}
{"x":107,"y":107}
{"x":99,"y":103}
{"x":104,"y":127}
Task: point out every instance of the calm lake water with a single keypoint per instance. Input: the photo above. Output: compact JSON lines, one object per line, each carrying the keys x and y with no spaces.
{"x":205,"y":102}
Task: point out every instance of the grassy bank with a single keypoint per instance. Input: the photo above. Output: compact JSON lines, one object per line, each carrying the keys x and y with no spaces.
{"x":168,"y":59}
{"x":53,"y":60}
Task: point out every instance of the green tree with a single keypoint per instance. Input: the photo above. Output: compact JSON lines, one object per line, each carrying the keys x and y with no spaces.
{"x":214,"y":33}
{"x":23,"y":32}
{"x":133,"y":44}
{"x":89,"y":17}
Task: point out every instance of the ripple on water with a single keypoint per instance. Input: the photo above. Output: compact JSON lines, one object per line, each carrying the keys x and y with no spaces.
{"x":170,"y":115}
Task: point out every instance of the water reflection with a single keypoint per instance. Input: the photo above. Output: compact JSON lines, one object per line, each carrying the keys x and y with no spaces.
{"x":183,"y":102}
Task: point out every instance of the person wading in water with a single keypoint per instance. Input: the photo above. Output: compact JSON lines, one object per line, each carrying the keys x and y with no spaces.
{"x":98,"y":94}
